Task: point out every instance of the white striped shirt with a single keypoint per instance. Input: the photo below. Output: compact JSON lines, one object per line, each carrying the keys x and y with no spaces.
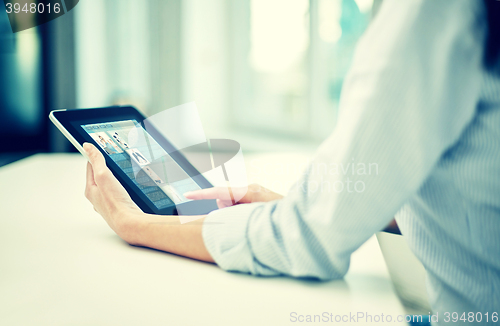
{"x":419,"y":105}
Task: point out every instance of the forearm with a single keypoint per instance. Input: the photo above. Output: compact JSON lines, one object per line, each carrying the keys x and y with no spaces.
{"x":166,"y":233}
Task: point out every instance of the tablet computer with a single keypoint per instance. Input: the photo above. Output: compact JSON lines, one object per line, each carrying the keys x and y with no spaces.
{"x":140,"y":166}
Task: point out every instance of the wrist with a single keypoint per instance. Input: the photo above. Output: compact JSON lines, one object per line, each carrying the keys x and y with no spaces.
{"x":128,"y":225}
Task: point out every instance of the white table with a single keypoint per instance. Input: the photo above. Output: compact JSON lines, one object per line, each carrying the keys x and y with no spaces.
{"x":60,"y":264}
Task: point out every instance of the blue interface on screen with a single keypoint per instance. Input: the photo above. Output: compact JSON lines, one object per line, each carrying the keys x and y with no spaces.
{"x":143,"y":160}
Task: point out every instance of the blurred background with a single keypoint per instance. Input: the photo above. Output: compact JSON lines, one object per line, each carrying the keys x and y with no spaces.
{"x":267,"y":73}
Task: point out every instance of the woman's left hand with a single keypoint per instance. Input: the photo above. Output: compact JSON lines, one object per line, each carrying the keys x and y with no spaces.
{"x":108,"y":196}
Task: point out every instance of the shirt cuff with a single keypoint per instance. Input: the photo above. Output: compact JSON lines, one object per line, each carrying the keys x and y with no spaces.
{"x":225,"y":237}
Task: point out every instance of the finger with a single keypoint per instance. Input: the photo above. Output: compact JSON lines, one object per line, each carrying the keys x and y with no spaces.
{"x":224,"y":203}
{"x":209,"y":193}
{"x":95,"y":156}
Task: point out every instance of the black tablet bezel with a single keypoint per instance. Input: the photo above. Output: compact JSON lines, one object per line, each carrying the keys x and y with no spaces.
{"x":72,"y":120}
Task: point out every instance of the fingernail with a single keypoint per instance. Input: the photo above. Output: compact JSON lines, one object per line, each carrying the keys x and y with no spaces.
{"x":187,"y":194}
{"x":86,"y":147}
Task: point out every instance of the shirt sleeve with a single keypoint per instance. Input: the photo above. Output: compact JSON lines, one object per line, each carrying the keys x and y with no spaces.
{"x":411,"y":91}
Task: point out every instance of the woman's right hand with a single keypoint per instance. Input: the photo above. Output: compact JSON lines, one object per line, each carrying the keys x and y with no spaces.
{"x":255,"y":193}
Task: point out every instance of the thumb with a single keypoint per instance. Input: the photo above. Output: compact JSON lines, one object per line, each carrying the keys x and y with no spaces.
{"x":97,"y":161}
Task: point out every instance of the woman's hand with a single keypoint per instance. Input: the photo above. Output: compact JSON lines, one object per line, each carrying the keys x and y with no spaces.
{"x":255,"y":193}
{"x":108,"y":196}
{"x":112,"y":201}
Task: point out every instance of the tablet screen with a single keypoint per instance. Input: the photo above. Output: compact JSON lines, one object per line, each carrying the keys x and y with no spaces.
{"x":143,"y":160}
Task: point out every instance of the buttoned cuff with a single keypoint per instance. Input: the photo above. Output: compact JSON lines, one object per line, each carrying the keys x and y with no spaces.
{"x":225,"y":233}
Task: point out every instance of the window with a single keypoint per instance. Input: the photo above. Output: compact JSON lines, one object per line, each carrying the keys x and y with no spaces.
{"x":272,"y":66}
{"x":128,"y":52}
{"x":289,"y":61}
